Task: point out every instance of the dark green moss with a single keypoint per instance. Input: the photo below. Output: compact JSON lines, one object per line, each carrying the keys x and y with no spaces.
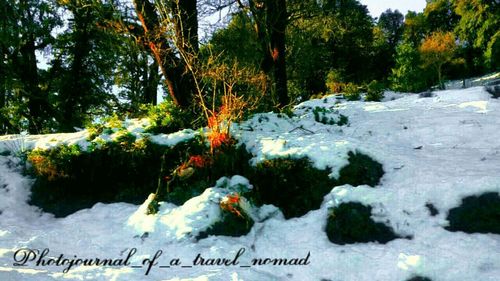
{"x":362,"y":170}
{"x":432,"y":209}
{"x":293,"y":185}
{"x":228,"y":161}
{"x":476,"y":214}
{"x":229,"y":225}
{"x":116,"y":172}
{"x":351,"y":223}
{"x":419,"y":278}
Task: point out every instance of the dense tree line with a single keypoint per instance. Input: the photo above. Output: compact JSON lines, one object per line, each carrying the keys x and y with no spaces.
{"x":112,"y":56}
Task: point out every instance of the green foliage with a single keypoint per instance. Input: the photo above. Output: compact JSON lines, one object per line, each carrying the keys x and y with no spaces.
{"x":352,"y":92}
{"x":125,"y":137}
{"x":68,"y":179}
{"x":229,"y":225}
{"x":237,"y":41}
{"x":351,"y":223}
{"x":437,"y":50}
{"x":375,"y":91}
{"x":94,"y":130}
{"x":408,"y":76}
{"x":228,"y":161}
{"x":478,"y":26}
{"x":361,"y":170}
{"x":166,"y":118}
{"x":334,"y":82}
{"x":476,"y":214}
{"x":323,"y":115}
{"x":293,"y":185}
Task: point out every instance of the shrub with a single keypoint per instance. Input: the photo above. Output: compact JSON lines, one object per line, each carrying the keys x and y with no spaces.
{"x":334,"y":82}
{"x":321,"y":116}
{"x":166,"y":118}
{"x":68,"y":179}
{"x":207,"y":168}
{"x":476,"y":214}
{"x":48,"y":163}
{"x":229,"y":225}
{"x":234,"y":222}
{"x":374,"y":91}
{"x":351,"y":223}
{"x":351,"y":92}
{"x":125,"y":137}
{"x":361,"y":170}
{"x":296,"y":187}
{"x":293,"y":185}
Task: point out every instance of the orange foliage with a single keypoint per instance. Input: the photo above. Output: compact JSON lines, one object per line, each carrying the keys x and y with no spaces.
{"x":231,"y":203}
{"x":198,"y":161}
{"x":44,"y":166}
{"x":438,"y":48}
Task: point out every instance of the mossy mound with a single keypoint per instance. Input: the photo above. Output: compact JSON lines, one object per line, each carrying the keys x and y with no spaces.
{"x":476,"y":214}
{"x":68,"y":179}
{"x":351,"y":223}
{"x":362,"y":170}
{"x":229,"y":225}
{"x":230,"y":160}
{"x":297,"y":187}
{"x":293,"y":185}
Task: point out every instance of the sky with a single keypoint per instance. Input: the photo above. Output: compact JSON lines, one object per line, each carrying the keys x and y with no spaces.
{"x":377,"y":7}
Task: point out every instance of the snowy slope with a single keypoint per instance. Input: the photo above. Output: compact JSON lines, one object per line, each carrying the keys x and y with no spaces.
{"x":434,"y":150}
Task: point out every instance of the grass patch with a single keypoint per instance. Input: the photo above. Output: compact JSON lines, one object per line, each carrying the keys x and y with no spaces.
{"x":229,"y":225}
{"x":297,"y":187}
{"x":362,"y":170}
{"x":293,"y":185}
{"x":351,"y":223}
{"x":476,"y":214}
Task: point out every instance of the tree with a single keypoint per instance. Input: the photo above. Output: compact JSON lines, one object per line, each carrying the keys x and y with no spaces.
{"x":439,"y":16}
{"x":26,"y":30}
{"x":83,"y":67}
{"x":407,"y":75}
{"x":415,"y":28}
{"x":387,"y":34}
{"x":479,"y":28}
{"x":437,"y":50}
{"x":166,"y":48}
{"x":271,"y":19}
{"x":391,"y":23}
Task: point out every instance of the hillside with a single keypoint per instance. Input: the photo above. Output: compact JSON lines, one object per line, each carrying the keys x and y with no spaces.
{"x":435,"y":151}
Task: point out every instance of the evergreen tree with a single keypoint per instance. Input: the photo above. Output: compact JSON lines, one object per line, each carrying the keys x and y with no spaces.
{"x":407,"y":75}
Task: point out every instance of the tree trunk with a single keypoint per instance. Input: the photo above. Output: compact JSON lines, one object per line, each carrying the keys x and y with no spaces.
{"x":27,"y":71}
{"x":74,"y":88}
{"x":178,"y":80}
{"x":151,"y":84}
{"x":440,"y":78}
{"x":277,"y":17}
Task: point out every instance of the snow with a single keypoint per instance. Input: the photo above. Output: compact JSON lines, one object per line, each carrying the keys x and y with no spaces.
{"x":434,"y":150}
{"x":23,"y":142}
{"x":474,"y":82}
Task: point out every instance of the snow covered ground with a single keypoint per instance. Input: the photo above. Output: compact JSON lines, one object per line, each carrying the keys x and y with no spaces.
{"x":434,"y":150}
{"x":473,"y":82}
